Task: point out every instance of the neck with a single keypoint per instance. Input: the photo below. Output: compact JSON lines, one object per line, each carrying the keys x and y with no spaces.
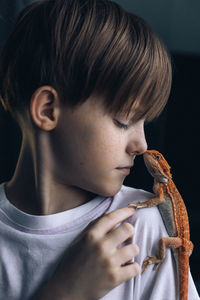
{"x":34,"y":188}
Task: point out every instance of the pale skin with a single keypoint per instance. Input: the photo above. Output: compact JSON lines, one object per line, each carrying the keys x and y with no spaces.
{"x":67,"y":157}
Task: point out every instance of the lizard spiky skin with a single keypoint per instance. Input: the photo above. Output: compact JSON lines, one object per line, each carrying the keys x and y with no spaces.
{"x":175,"y":218}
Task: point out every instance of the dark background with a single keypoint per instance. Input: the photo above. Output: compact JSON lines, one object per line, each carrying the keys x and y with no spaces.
{"x":176,"y":132}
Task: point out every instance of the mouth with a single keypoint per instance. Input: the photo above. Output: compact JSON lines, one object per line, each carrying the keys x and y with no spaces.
{"x":125,"y":170}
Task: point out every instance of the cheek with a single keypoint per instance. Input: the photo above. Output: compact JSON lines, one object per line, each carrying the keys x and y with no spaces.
{"x":89,"y":149}
{"x":102,"y":149}
{"x":89,"y":161}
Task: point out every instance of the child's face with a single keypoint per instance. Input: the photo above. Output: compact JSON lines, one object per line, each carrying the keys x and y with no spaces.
{"x":89,"y":147}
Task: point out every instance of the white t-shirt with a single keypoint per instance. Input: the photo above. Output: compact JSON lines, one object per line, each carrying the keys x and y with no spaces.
{"x":32,"y":246}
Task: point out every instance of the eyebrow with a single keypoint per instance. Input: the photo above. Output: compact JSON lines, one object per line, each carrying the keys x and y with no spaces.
{"x":138,"y":114}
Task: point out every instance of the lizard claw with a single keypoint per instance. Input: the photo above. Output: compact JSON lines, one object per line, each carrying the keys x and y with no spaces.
{"x":136,"y":205}
{"x":150,"y":260}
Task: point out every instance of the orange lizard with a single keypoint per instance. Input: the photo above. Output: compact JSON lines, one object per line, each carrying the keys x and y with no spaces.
{"x":175,"y":218}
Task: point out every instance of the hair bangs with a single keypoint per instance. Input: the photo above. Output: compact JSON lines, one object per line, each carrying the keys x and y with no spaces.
{"x":138,"y":79}
{"x":83,"y":48}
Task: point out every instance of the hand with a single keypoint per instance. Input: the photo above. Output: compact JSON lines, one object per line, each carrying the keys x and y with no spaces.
{"x":94,"y":264}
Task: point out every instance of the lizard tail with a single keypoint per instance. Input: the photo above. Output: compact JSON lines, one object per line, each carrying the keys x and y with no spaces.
{"x":183,"y":274}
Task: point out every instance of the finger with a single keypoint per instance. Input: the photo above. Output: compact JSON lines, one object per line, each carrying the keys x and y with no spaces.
{"x":87,"y":228}
{"x":126,"y":253}
{"x":129,"y":271}
{"x":108,"y":221}
{"x":119,"y":235}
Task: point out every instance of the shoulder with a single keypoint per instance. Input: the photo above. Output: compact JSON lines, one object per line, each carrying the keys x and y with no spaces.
{"x":128,"y":195}
{"x":147,"y":221}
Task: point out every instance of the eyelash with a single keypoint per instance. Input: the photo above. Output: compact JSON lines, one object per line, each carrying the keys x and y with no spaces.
{"x":121,"y":125}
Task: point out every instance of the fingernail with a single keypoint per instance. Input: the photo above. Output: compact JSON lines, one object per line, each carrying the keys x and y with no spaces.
{"x":131,"y":208}
{"x":106,"y":212}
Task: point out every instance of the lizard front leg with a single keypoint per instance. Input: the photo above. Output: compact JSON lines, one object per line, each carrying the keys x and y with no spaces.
{"x":151,"y":202}
{"x":171,"y":242}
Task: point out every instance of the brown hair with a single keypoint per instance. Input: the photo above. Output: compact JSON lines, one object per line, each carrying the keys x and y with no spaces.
{"x":84,"y":47}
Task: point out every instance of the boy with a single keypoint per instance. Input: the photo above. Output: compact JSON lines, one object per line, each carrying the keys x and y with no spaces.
{"x":81,"y":77}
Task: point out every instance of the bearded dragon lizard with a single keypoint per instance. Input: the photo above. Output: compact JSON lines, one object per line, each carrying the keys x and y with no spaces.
{"x":175,"y":218}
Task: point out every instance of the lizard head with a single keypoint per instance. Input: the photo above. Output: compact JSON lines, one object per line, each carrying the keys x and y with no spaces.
{"x":157,"y":166}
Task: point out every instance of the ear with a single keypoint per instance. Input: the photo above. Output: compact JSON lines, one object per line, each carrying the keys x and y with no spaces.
{"x":44,"y":108}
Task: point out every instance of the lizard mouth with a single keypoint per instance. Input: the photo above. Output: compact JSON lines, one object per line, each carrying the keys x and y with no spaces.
{"x":150,"y":169}
{"x":159,"y":176}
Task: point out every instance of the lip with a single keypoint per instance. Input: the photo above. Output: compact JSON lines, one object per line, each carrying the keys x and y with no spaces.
{"x":125,"y":170}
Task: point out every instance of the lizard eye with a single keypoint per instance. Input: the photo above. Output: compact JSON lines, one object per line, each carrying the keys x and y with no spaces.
{"x":157,"y":156}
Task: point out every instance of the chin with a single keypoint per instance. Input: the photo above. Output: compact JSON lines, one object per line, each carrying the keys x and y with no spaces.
{"x":109,"y":190}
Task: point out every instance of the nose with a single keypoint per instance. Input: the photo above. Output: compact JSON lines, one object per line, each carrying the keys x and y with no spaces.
{"x":137,"y":143}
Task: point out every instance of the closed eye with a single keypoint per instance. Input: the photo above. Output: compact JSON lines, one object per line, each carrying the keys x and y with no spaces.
{"x":121,"y":125}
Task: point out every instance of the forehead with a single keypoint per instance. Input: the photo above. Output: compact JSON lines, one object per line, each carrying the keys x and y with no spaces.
{"x":130,"y":108}
{"x":133,"y":111}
